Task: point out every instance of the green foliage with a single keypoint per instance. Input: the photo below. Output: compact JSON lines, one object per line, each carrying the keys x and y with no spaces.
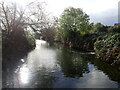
{"x":72,"y":23}
{"x":18,"y":39}
{"x":30,"y":39}
{"x":107,"y":48}
{"x":85,"y":42}
{"x":98,"y":27}
{"x":75,"y":31}
{"x":114,"y":29}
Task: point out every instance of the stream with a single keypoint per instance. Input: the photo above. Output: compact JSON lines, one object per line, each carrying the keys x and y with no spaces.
{"x":59,"y":67}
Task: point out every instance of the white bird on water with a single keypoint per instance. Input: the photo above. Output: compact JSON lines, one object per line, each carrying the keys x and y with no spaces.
{"x":22,"y":60}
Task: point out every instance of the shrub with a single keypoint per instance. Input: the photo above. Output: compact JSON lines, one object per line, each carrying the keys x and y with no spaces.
{"x":19,"y":40}
{"x":107,"y":48}
{"x":115,"y":28}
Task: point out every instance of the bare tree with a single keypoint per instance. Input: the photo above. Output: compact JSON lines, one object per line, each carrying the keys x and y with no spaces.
{"x":10,"y":17}
{"x":33,"y":16}
{"x":36,"y":17}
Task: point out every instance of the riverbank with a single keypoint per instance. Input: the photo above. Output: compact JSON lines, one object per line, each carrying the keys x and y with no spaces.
{"x":105,"y":45}
{"x":75,"y":31}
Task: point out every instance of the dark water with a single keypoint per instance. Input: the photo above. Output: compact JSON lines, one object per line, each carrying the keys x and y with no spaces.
{"x":58,"y":67}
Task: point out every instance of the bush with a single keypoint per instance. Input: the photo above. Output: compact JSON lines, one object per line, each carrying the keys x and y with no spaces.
{"x":84,"y":42}
{"x":107,"y":48}
{"x":114,"y":29}
{"x":17,"y":41}
{"x":30,"y":39}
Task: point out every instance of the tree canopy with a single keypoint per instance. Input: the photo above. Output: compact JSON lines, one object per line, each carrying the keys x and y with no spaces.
{"x":98,"y":27}
{"x":73,"y":21}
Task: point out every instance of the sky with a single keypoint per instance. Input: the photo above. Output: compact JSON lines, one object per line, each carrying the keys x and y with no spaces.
{"x":104,"y":11}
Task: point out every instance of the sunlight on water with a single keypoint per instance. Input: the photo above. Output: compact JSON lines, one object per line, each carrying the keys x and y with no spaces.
{"x":40,"y":43}
{"x":24,"y":74}
{"x":40,"y":58}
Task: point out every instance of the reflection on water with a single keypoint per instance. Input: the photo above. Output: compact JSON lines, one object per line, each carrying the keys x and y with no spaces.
{"x":53,"y":67}
{"x":72,"y":63}
{"x":24,"y":74}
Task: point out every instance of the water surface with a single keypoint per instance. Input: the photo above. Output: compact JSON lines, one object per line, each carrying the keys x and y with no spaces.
{"x":59,"y":67}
